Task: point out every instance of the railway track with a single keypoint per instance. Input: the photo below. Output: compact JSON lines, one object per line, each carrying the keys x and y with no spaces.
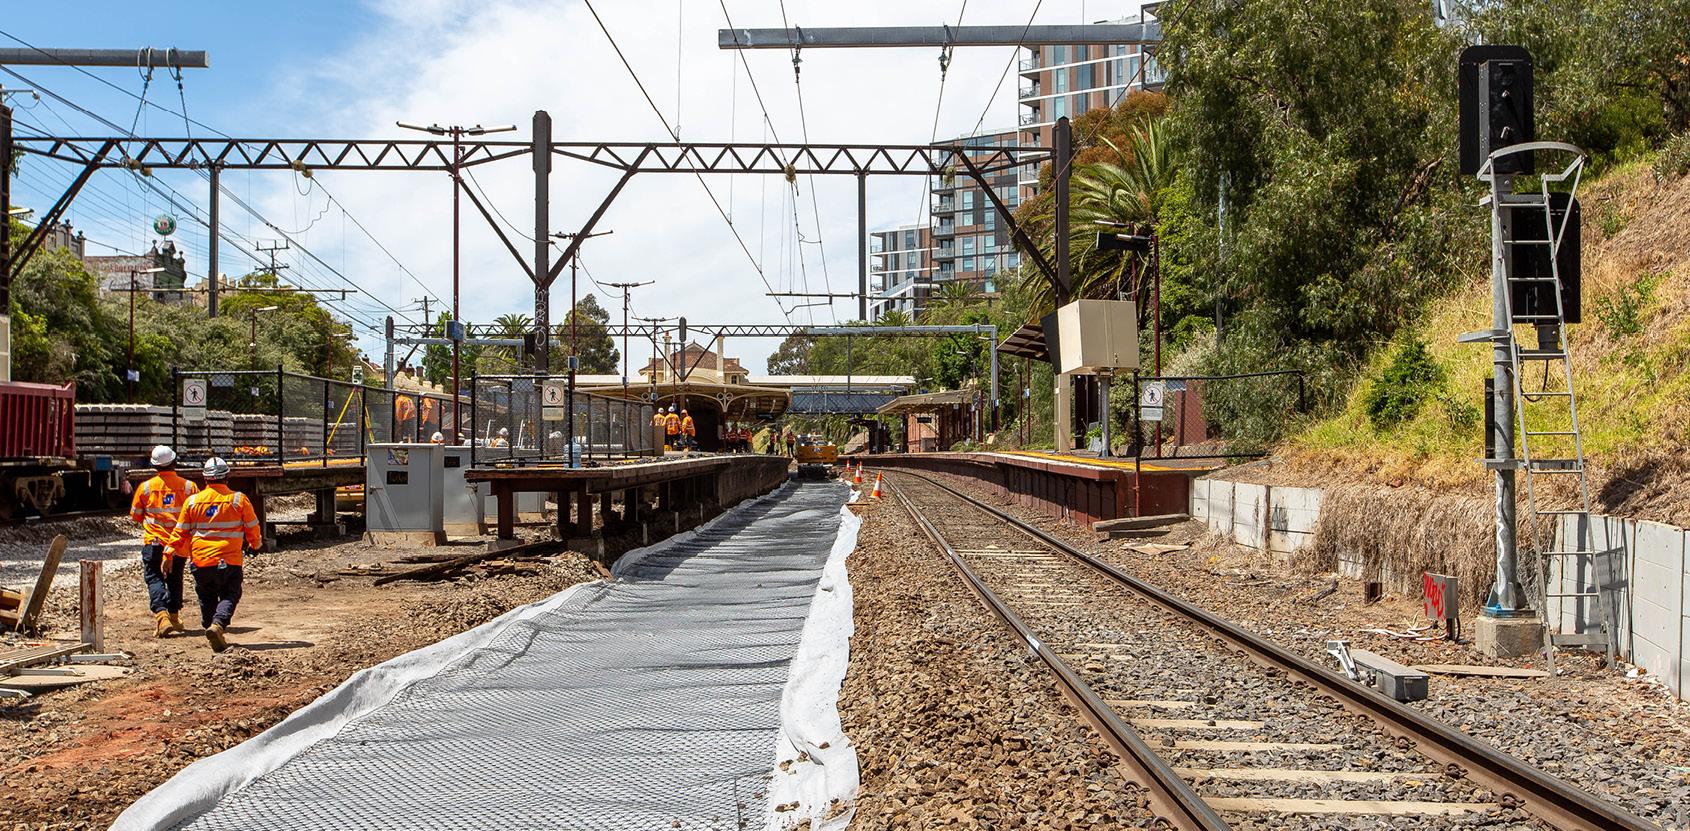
{"x":17,"y":522}
{"x":1223,"y":727}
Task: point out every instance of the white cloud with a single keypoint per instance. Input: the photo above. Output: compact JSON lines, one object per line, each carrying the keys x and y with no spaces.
{"x":496,"y":62}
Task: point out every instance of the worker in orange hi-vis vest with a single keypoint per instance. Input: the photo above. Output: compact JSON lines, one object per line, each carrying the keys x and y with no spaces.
{"x":157,"y":503}
{"x":211,"y":530}
{"x":689,"y":431}
{"x":672,"y":428}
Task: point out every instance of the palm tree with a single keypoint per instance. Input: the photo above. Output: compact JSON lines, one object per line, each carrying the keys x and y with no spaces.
{"x":512,"y":326}
{"x":1105,"y":195}
{"x":954,"y":298}
{"x":895,"y":317}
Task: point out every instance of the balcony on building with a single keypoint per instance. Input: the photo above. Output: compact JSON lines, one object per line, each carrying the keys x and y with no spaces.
{"x":946,"y":251}
{"x":1031,"y":119}
{"x":944,"y":206}
{"x":1030,"y":63}
{"x":1030,"y":92}
{"x":944,"y":229}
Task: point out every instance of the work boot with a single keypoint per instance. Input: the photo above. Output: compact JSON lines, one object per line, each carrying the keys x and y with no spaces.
{"x":176,"y":624}
{"x":214,"y":633}
{"x":162,"y":624}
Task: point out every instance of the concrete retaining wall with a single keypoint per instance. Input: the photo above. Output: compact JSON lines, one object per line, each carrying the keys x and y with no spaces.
{"x":1263,"y":517}
{"x":1645,"y":568}
{"x":1645,"y":576}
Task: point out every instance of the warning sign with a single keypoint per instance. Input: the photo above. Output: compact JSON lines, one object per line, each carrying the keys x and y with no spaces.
{"x":554,"y":400}
{"x":1151,"y":399}
{"x":193,"y":399}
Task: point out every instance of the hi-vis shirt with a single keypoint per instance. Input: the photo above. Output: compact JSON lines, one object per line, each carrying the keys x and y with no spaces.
{"x":157,"y":503}
{"x":213,"y":524}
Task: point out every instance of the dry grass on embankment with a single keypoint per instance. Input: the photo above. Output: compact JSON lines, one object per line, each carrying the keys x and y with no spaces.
{"x":1398,"y":533}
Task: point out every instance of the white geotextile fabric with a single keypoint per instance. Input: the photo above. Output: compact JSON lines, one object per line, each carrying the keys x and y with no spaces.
{"x":820,"y":776}
{"x":508,"y":724}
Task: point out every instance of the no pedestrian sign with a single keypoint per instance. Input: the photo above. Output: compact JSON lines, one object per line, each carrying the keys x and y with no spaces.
{"x":554,"y":398}
{"x":1150,"y":400}
{"x":193,"y":399}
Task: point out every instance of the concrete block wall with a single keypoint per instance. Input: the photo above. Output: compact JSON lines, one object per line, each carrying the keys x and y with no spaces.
{"x":1645,"y":572}
{"x":1263,"y":517}
{"x":1644,"y":568}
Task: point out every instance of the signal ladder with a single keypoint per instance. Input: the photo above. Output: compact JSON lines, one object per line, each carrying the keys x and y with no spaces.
{"x":1550,"y":441}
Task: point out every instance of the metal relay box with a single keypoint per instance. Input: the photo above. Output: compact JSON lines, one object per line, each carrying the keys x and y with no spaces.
{"x":404,"y":491}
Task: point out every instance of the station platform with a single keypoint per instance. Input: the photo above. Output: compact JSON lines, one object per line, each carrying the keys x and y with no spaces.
{"x":679,"y":484}
{"x":692,"y":692}
{"x":1082,"y":489}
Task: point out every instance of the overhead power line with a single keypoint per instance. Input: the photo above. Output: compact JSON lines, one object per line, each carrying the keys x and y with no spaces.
{"x":676,"y":137}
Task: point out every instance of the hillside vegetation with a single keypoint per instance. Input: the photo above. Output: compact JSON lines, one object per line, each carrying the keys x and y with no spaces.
{"x":1415,"y":415}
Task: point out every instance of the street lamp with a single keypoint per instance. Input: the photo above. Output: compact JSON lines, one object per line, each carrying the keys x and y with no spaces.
{"x":131,"y":374}
{"x":457,"y":132}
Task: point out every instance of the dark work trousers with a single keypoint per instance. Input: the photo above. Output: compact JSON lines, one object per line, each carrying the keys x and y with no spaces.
{"x":219,"y":589}
{"x":164,"y":590}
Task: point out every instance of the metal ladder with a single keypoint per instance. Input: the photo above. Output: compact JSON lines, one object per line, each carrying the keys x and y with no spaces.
{"x":1572,"y":547}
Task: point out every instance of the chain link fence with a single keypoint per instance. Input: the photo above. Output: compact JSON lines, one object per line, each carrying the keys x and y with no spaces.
{"x":277,"y":417}
{"x":525,"y":419}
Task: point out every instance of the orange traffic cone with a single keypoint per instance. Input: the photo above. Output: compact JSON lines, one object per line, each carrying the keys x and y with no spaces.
{"x":876,"y":493}
{"x":858,"y":478}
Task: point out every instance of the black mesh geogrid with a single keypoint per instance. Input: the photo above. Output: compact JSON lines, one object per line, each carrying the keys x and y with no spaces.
{"x":652,"y":702}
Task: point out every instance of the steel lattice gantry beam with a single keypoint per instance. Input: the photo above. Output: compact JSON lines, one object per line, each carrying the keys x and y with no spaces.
{"x":629,"y":157}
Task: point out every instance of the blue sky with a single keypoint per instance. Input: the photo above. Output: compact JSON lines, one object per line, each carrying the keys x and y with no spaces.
{"x":345,"y":69}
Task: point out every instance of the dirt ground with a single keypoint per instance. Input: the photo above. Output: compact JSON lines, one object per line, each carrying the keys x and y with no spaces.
{"x":955,"y":724}
{"x":75,"y":758}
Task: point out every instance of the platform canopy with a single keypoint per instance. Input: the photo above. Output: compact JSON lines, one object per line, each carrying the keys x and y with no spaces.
{"x":928,"y":402}
{"x":1026,"y":342}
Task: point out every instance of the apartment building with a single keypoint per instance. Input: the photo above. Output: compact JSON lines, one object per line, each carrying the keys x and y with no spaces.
{"x":1066,"y":80}
{"x":971,"y":243}
{"x":900,"y":270}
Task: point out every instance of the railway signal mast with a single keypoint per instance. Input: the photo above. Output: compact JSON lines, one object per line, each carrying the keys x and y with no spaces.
{"x":1534,"y":282}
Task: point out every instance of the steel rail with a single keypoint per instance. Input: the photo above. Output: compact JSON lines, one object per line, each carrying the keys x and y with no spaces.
{"x":1515,"y":782}
{"x":1170,"y":797}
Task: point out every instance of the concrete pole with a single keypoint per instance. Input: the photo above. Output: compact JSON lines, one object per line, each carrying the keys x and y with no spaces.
{"x":1063,"y":417}
{"x":542,"y":151}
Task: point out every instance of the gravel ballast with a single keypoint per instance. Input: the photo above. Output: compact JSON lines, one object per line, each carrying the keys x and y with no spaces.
{"x":1623,"y":739}
{"x":956,"y":725}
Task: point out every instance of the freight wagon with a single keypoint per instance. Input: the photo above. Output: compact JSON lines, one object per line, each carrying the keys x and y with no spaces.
{"x":41,"y":472}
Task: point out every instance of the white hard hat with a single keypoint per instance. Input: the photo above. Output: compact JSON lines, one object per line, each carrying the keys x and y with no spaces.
{"x":504,"y":431}
{"x":215,"y":468}
{"x":437,"y":438}
{"x":163,"y":455}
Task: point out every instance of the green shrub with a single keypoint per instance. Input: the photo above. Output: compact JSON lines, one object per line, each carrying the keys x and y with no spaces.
{"x":1622,"y":313}
{"x":1674,"y":157}
{"x":1411,"y":378}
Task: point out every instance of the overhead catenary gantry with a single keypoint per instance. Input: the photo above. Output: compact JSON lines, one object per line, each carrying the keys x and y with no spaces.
{"x":304,"y":155}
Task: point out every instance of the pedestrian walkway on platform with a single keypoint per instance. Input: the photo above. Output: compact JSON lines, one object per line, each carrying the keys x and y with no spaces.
{"x":652,"y":702}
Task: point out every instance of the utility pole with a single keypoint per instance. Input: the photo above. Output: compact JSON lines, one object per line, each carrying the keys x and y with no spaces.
{"x":624,"y":288}
{"x":541,"y":151}
{"x":457,"y":132}
{"x":270,"y":247}
{"x":574,"y":329}
{"x":130,"y":374}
